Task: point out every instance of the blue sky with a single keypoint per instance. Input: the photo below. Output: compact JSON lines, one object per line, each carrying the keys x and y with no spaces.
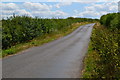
{"x":62,"y":9}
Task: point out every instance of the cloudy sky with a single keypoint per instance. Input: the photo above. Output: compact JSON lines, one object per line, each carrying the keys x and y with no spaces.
{"x":58,"y":8}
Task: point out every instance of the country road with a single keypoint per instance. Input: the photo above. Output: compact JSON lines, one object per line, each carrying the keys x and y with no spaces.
{"x":62,"y":58}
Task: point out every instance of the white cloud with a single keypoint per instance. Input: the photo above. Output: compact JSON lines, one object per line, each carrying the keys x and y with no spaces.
{"x":43,"y":10}
{"x":59,"y":13}
{"x":96,"y":10}
{"x":23,"y":0}
{"x":30,"y":9}
{"x":88,"y":14}
{"x":9,"y":6}
{"x":36,"y":6}
{"x":7,"y":12}
{"x":5,"y":16}
{"x":109,"y":7}
{"x":62,"y":4}
{"x":23,"y":12}
{"x":49,"y":13}
{"x":76,"y":11}
{"x":82,"y":0}
{"x":59,"y":0}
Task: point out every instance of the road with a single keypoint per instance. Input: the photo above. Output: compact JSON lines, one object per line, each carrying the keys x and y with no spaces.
{"x":62,"y":58}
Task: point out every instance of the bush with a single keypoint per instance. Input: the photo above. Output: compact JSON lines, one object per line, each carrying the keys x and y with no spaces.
{"x":105,"y":41}
{"x":111,"y":20}
{"x":106,"y":46}
{"x":19,"y":29}
{"x":115,"y":23}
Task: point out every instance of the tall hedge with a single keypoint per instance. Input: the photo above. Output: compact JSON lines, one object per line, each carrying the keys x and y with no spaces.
{"x":105,"y":41}
{"x":111,"y":20}
{"x":19,"y":29}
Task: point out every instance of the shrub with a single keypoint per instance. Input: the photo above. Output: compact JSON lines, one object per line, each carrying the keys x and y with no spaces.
{"x":19,"y":29}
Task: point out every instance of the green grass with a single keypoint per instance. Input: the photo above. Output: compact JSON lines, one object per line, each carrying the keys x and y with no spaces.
{"x":40,"y":40}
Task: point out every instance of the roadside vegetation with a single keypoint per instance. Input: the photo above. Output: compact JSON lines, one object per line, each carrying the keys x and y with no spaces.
{"x":0,"y":38}
{"x":103,"y":58}
{"x":22,"y":32}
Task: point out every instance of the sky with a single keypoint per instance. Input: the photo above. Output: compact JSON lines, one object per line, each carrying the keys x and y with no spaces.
{"x":58,"y":8}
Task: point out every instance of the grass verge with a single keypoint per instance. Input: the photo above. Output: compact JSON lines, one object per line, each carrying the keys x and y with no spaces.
{"x":40,"y":40}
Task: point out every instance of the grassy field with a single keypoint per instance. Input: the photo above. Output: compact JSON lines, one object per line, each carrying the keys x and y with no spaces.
{"x":40,"y":40}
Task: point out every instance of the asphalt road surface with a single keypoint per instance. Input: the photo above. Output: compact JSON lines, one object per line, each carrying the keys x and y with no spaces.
{"x":62,"y":58}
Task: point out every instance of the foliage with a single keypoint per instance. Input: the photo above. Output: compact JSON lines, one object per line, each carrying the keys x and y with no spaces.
{"x":105,"y":42}
{"x":111,"y":20}
{"x":19,"y":29}
{"x":90,"y":63}
{"x":115,"y":22}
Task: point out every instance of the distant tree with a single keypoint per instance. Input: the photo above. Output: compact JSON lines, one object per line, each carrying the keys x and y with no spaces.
{"x":70,"y":18}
